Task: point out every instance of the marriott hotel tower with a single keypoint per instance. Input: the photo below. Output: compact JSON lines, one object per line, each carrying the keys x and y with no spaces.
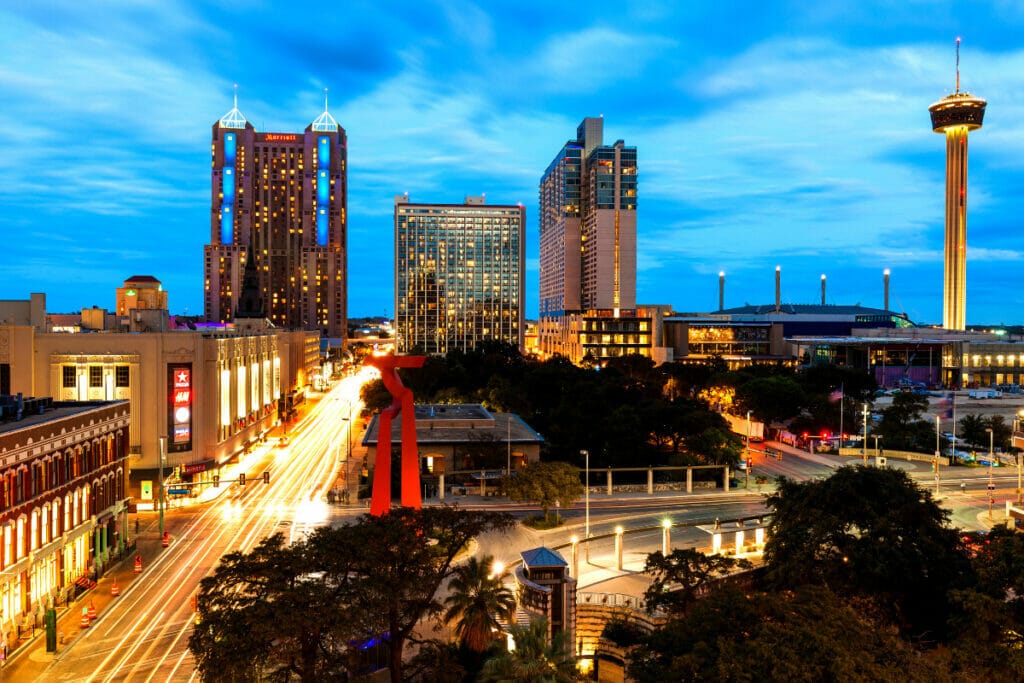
{"x":280,"y":199}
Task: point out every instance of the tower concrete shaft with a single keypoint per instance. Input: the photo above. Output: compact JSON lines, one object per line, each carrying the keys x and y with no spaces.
{"x":954,"y":302}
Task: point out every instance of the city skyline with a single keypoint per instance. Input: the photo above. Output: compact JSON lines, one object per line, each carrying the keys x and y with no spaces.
{"x":792,"y":137}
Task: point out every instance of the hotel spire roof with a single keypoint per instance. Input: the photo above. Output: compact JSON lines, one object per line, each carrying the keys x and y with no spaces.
{"x":234,"y":118}
{"x":325,"y":123}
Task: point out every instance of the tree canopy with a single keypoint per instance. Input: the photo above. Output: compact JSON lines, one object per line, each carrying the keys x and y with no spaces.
{"x":863,"y":579}
{"x":366,"y":582}
{"x":545,"y":484}
{"x":678,"y":579}
{"x":869,"y":531}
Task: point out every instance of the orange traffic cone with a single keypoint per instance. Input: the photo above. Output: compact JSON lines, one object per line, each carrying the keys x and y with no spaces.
{"x":84,"y":623}
{"x":138,"y":564}
{"x":114,"y":590}
{"x":92,"y":610}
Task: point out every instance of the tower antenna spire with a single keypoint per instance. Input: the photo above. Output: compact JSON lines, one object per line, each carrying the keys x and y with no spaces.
{"x":958,"y":64}
{"x":236,"y":96}
{"x":325,"y":99}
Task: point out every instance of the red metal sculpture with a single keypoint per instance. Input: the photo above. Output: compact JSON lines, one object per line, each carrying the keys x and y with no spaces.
{"x":380,"y":503}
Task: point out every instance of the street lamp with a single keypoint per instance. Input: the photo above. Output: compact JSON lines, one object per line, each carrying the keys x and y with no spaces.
{"x":991,"y":485}
{"x":865,"y":451}
{"x":666,"y":539}
{"x":618,"y":547}
{"x":748,"y":431}
{"x":1013,"y":438}
{"x":586,"y":499}
{"x":575,"y":557}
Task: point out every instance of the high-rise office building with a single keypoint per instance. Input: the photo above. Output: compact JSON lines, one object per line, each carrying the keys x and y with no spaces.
{"x":458,"y":274}
{"x":955,"y":116}
{"x":280,"y":199}
{"x":588,"y":201}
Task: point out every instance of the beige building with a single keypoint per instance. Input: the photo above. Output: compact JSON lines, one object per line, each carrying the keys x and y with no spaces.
{"x":208,"y":393}
{"x":140,"y":292}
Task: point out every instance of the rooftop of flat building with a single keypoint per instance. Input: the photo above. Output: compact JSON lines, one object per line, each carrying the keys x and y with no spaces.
{"x":36,"y":411}
{"x":808,"y":309}
{"x":458,"y":423}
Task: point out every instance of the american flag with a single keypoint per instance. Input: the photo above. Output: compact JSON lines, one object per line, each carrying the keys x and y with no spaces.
{"x":836,"y":395}
{"x":947,"y":402}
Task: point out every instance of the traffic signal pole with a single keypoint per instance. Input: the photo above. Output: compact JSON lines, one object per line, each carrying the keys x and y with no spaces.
{"x":160,"y":485}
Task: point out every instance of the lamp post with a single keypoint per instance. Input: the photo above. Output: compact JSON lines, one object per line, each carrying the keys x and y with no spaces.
{"x":876,"y":437}
{"x":666,"y":539}
{"x":865,"y":451}
{"x":748,"y":432}
{"x":618,"y":547}
{"x":1020,"y":416}
{"x":575,"y":557}
{"x":586,"y":500}
{"x":991,"y":484}
{"x":938,"y":448}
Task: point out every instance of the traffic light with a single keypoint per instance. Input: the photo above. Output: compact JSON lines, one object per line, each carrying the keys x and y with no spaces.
{"x":216,"y":481}
{"x":750,"y":463}
{"x":241,"y":479}
{"x":266,"y":476}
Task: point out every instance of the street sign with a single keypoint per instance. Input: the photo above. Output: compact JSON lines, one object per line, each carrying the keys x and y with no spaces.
{"x":177,"y":491}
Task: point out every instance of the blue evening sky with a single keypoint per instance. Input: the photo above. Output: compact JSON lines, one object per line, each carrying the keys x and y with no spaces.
{"x":768,"y":133}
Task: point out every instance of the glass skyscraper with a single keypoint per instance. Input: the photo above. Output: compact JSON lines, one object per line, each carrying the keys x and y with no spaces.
{"x":588,"y":202}
{"x":458,"y":275}
{"x":280,"y":199}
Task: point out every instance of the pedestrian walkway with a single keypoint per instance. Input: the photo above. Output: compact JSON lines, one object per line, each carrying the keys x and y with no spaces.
{"x":29,"y":659}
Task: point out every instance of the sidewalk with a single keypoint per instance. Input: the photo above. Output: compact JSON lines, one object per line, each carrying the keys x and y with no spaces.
{"x":29,"y":660}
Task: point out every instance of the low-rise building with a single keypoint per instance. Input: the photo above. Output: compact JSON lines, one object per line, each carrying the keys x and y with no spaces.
{"x":63,"y":499}
{"x":462,"y":437}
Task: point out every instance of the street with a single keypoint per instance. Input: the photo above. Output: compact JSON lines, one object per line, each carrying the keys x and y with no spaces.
{"x":143,"y":635}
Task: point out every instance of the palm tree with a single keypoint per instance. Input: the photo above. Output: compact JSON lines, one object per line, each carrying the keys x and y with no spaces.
{"x":534,"y":660}
{"x":476,"y":598}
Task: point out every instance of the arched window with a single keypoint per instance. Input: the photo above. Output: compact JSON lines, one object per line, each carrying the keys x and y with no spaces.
{"x":8,"y":553}
{"x":19,"y":541}
{"x":55,"y":530}
{"x":86,"y":501}
{"x":44,"y":525}
{"x":33,"y":530}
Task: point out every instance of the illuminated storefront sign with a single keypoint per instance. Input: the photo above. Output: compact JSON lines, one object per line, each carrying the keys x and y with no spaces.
{"x":196,"y":468}
{"x":179,"y":407}
{"x":279,"y":137}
